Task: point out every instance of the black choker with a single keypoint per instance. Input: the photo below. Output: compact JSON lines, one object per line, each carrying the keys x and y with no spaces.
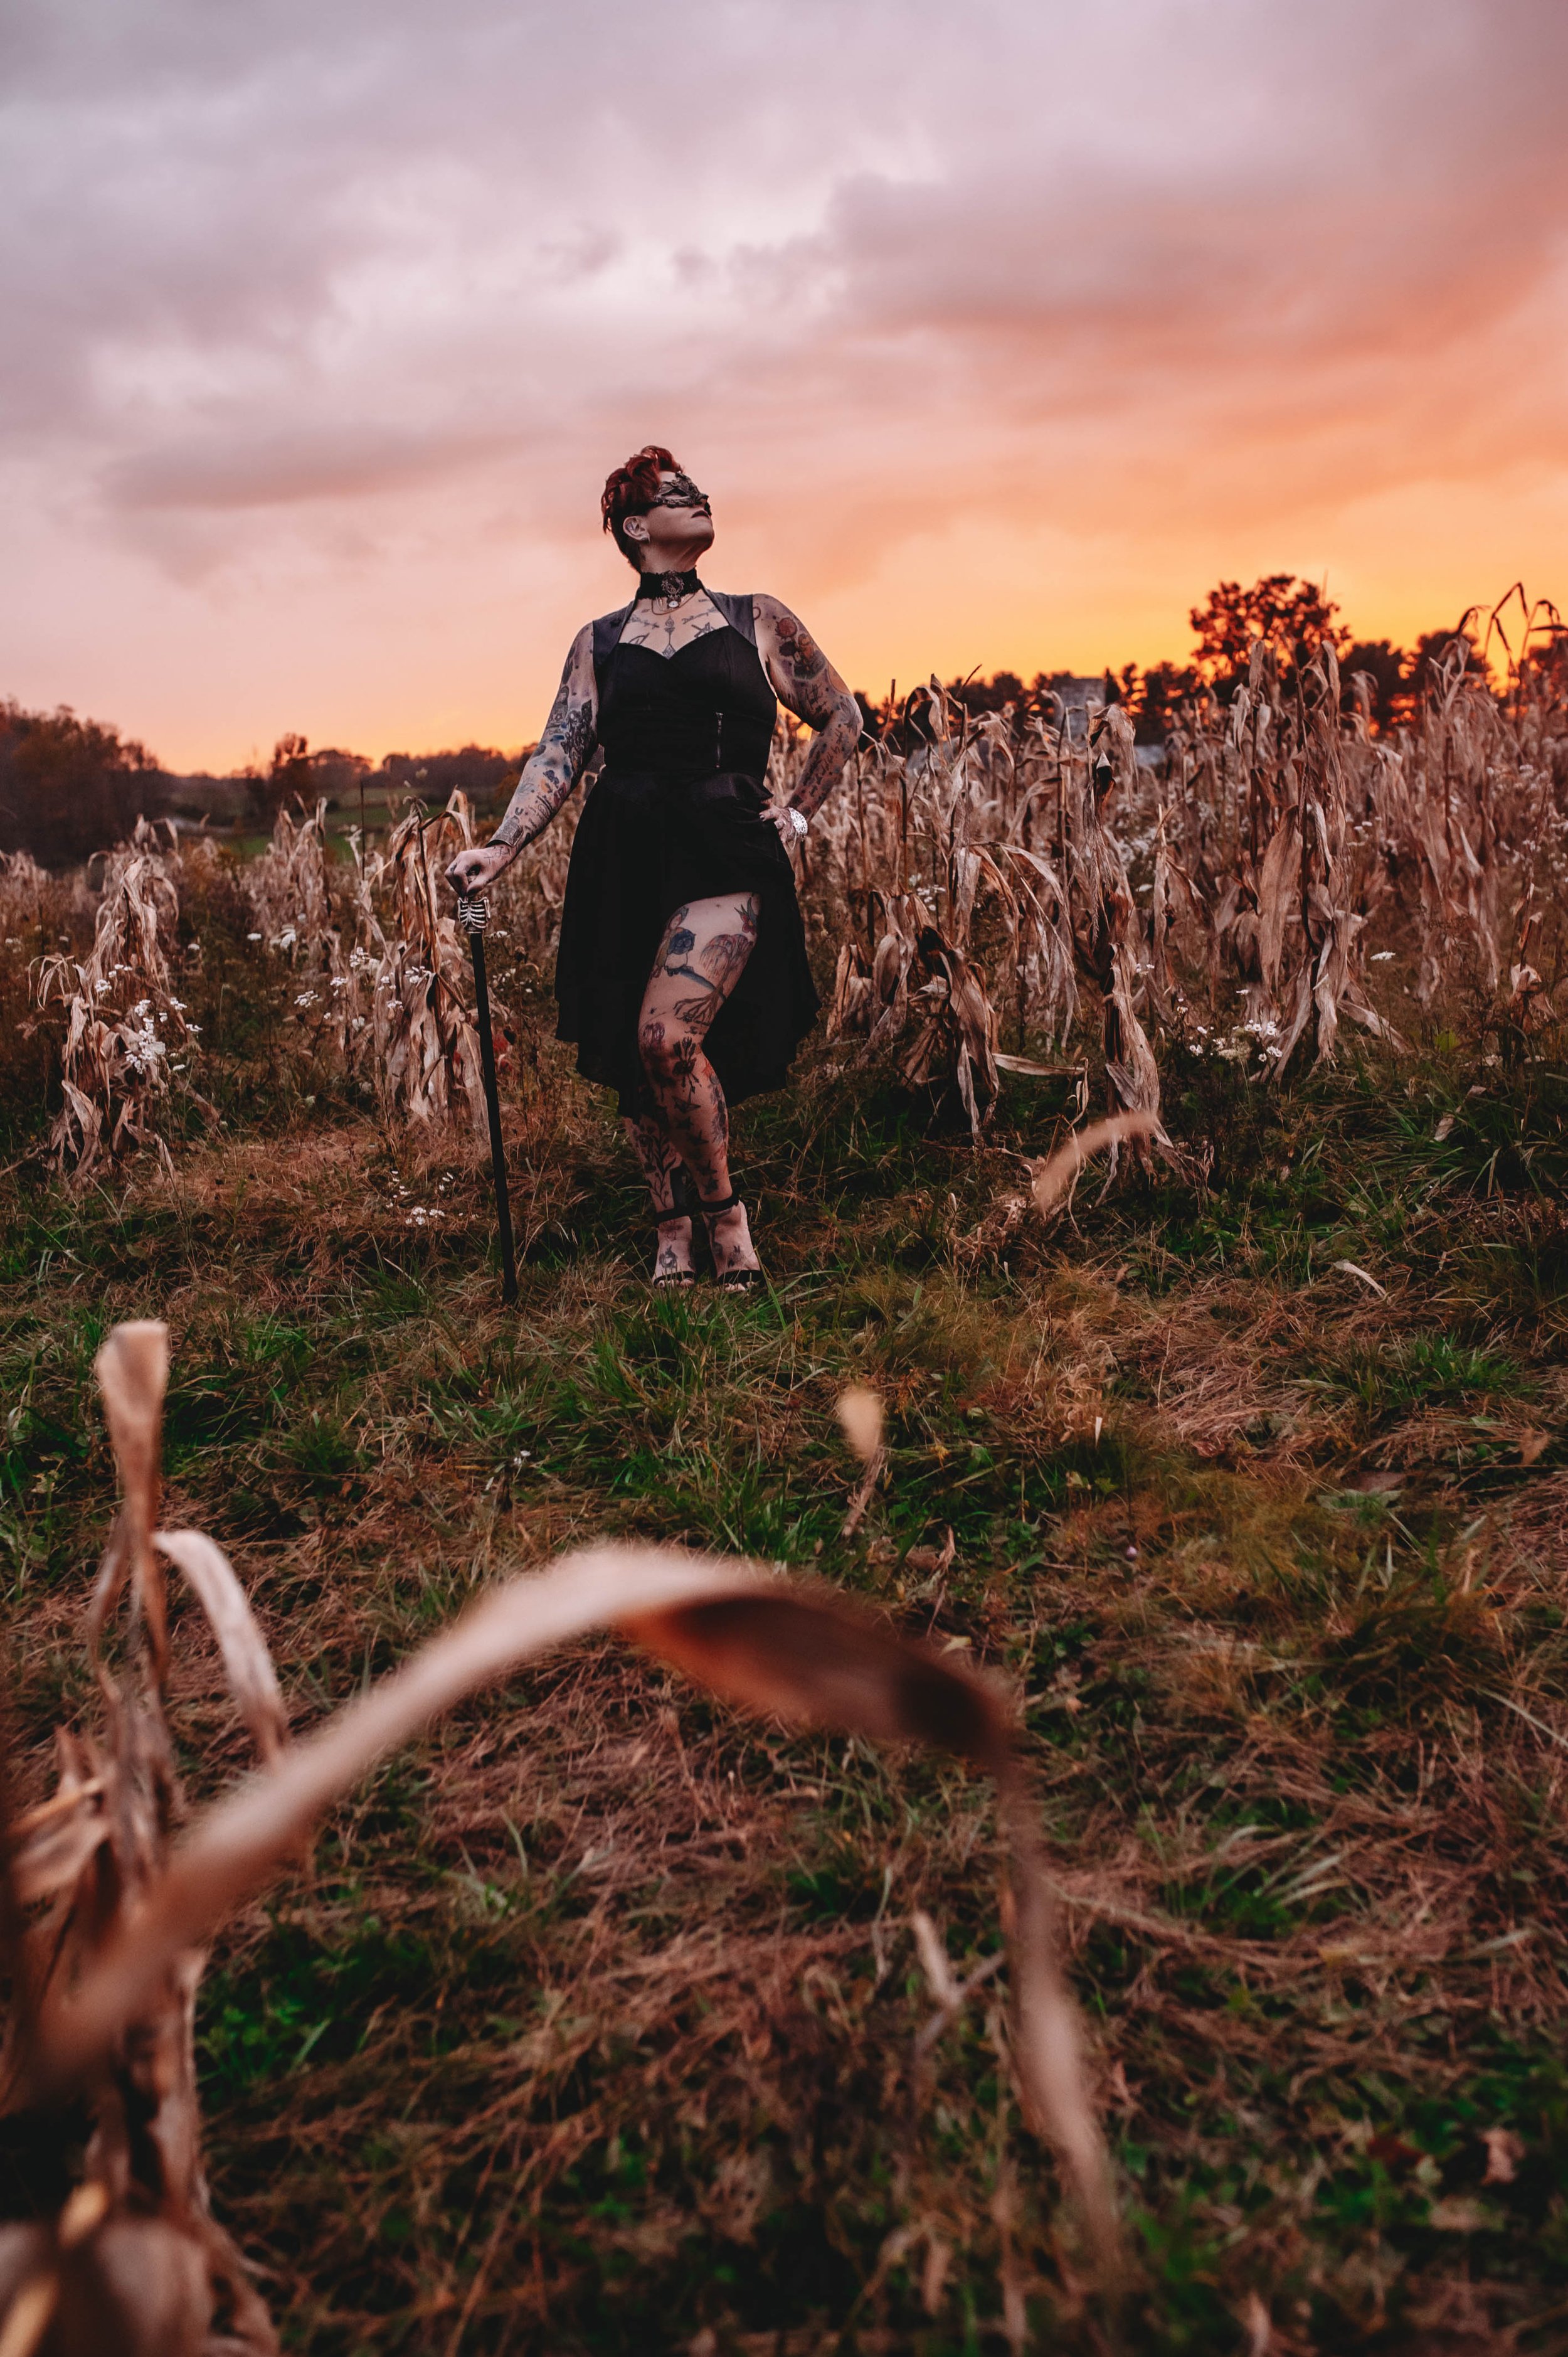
{"x":668,"y":588}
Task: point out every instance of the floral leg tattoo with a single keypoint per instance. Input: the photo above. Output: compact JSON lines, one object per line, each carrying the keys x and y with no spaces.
{"x":658,"y":1162}
{"x":701,"y":958}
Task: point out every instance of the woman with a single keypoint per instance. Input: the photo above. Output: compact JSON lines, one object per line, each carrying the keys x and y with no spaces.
{"x":681,"y":972}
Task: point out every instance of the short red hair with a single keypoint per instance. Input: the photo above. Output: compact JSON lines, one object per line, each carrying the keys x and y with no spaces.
{"x":632,"y":490}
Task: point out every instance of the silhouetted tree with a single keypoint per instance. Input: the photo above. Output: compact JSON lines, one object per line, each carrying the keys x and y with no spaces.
{"x":289,"y":775}
{"x":486,"y":775}
{"x":1292,"y":617}
{"x":979,"y":695}
{"x":295,"y":773}
{"x":1161,"y":690}
{"x":1431,"y":654}
{"x":1388,"y":669}
{"x":70,"y":786}
{"x":337,"y":774}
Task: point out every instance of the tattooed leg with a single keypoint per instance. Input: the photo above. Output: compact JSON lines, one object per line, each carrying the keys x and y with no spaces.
{"x":658,"y":1162}
{"x":704,"y":952}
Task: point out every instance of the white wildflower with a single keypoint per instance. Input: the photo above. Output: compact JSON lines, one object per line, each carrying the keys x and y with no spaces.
{"x":143,"y":1050}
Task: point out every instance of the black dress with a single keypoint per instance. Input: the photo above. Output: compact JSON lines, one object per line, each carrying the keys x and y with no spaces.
{"x":675,"y":816}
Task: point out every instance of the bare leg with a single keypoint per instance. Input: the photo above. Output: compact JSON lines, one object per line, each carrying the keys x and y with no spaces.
{"x":704,"y":952}
{"x":656,"y":1155}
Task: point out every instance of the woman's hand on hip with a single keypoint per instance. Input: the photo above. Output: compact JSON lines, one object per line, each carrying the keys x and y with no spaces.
{"x":475,"y":871}
{"x":791,"y":824}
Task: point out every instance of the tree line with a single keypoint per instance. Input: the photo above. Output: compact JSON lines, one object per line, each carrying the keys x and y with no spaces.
{"x":1292,"y":615}
{"x":70,"y":786}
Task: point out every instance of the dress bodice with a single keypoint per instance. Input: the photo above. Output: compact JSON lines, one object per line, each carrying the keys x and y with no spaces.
{"x":705,"y":710}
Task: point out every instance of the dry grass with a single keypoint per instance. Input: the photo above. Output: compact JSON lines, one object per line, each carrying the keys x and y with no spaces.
{"x":607,"y":2020}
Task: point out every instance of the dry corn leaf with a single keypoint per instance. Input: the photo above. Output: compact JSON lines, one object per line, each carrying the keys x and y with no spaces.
{"x":132,"y":1373}
{"x":1053,"y":1179}
{"x":1352,"y":1268}
{"x":802,"y":1654}
{"x":247,"y":1664}
{"x":860,"y":1412}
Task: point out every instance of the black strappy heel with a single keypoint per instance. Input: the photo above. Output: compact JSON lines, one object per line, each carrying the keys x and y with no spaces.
{"x":733,"y":1280}
{"x":672,"y":1280}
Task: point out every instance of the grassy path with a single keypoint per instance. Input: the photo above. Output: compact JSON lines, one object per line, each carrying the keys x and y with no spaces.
{"x":600,"y":2006}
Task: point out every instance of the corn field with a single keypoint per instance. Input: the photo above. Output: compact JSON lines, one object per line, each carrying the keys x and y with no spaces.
{"x":1015,"y":895}
{"x":1012,"y":879}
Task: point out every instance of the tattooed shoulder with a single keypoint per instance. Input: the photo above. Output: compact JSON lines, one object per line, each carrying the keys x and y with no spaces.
{"x":802,"y":673}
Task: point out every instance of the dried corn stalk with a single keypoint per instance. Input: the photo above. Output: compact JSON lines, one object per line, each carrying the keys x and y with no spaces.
{"x":23,"y":885}
{"x":334,"y":979}
{"x":136,"y":2260}
{"x":107,"y":1979}
{"x":902,"y":842}
{"x":1225,"y":898}
{"x":1006,"y":888}
{"x":128,"y":1046}
{"x":287,"y":885}
{"x":426,"y":1046}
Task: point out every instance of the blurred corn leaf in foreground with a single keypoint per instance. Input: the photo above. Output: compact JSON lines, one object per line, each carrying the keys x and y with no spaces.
{"x":108,"y":1915}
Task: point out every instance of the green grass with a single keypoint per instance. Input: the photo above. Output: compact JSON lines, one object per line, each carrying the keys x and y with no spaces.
{"x":591,"y":2026}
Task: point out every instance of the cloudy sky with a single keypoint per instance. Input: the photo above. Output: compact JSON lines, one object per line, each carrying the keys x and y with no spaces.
{"x":997,"y":332}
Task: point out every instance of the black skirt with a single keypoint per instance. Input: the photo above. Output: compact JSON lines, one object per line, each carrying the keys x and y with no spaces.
{"x":646,"y":845}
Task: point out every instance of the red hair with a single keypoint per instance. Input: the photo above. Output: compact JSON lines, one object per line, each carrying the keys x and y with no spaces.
{"x":632,"y":490}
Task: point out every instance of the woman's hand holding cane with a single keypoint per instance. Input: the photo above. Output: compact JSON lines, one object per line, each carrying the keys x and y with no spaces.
{"x":477,"y":869}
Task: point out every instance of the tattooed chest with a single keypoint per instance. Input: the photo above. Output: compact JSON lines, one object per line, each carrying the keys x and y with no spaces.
{"x":666,"y":634}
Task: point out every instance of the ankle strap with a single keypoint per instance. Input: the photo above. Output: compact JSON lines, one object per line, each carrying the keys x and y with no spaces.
{"x":712,"y":1211}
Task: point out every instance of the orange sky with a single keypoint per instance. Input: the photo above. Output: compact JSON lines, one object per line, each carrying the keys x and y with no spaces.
{"x":997,"y":335}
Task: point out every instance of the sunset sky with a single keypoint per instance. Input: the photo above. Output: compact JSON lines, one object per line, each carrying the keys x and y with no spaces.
{"x":997,"y":333}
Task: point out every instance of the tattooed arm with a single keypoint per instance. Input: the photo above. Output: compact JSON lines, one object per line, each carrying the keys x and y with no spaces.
{"x":807,"y":685}
{"x":550,"y":771}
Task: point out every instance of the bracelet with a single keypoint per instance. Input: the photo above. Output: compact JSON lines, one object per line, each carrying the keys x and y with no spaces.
{"x":797,"y":818}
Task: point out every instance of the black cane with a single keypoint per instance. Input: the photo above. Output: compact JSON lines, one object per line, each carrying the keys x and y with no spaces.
{"x":474,"y":915}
